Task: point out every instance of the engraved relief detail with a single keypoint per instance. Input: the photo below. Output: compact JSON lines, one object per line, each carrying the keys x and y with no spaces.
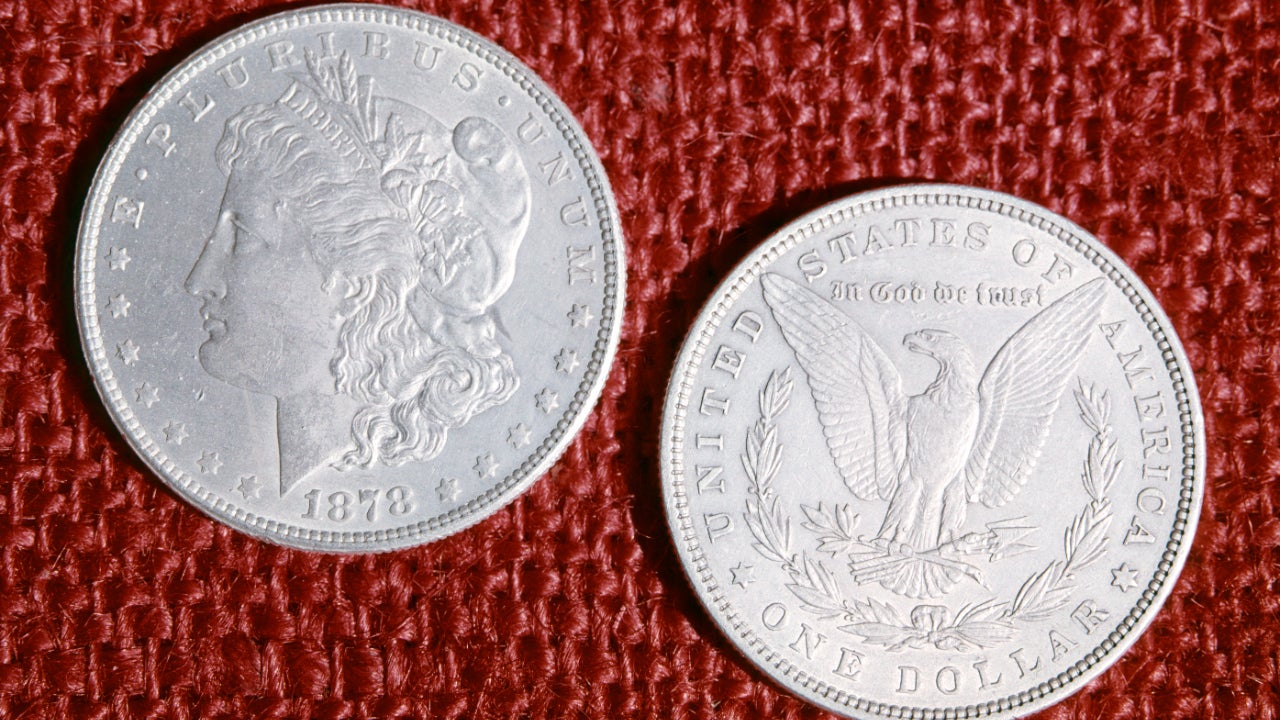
{"x":566,"y":361}
{"x":118,"y":305}
{"x":486,"y":466}
{"x":127,"y":351}
{"x":448,"y":489}
{"x":982,"y":624}
{"x":547,"y":400}
{"x":518,"y":436}
{"x":147,"y":394}
{"x":249,"y":487}
{"x":930,"y":455}
{"x":175,"y":432}
{"x":580,"y":316}
{"x":209,"y":462}
{"x":118,"y":258}
{"x":1124,"y":577}
{"x":398,"y":235}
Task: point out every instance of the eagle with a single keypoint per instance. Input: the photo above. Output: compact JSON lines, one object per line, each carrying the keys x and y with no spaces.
{"x":967,"y":438}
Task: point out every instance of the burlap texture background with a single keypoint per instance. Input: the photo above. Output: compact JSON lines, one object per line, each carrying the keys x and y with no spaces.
{"x":1155,"y":125}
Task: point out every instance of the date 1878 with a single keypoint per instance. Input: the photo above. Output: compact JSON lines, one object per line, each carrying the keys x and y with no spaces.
{"x":341,"y":505}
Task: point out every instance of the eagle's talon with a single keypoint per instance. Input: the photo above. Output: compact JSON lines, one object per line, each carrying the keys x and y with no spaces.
{"x":899,"y":549}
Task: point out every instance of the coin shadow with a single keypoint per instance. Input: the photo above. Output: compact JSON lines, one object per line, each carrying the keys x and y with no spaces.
{"x":73,"y":189}
{"x":650,"y":356}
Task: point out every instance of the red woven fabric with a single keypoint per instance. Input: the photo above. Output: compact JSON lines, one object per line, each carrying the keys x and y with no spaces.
{"x":1156,"y":125}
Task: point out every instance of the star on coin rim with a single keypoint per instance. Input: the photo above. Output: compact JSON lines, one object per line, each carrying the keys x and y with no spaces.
{"x":571,"y":420}
{"x":746,"y":275}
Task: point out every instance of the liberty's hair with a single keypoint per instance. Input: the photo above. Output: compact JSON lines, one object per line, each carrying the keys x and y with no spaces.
{"x":417,"y":382}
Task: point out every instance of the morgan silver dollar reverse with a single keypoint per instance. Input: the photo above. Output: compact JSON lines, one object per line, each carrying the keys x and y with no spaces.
{"x":932,"y":452}
{"x":350,"y":278}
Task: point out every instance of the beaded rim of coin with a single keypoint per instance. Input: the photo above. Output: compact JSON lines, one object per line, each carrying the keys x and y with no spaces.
{"x":578,"y":408}
{"x":747,"y":274}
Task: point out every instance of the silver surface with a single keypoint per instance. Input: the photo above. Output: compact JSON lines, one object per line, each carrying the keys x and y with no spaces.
{"x":932,"y":452}
{"x":350,"y":278}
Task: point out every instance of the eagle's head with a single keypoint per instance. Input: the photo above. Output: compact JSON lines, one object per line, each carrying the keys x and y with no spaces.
{"x":937,"y":344}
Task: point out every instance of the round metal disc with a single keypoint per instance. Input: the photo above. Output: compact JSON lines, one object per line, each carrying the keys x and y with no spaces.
{"x":932,"y":452}
{"x":350,"y":278}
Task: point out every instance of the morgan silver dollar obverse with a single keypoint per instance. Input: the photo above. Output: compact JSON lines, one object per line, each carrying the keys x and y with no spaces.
{"x":350,"y":278}
{"x":932,"y":452}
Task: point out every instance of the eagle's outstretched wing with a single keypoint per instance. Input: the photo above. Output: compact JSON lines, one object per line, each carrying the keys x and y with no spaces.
{"x":1020,"y":392}
{"x":857,"y":389}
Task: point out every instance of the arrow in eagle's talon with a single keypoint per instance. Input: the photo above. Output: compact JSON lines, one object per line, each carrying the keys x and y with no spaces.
{"x":894,"y":559}
{"x":876,"y":569}
{"x":953,"y":564}
{"x":879,"y":573}
{"x":1003,"y":537}
{"x":863,"y":567}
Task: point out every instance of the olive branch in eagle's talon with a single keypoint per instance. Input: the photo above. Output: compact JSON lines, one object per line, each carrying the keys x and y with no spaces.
{"x":834,"y":526}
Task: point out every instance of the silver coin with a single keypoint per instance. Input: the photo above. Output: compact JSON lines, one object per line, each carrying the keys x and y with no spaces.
{"x":932,"y":452}
{"x":350,"y":278}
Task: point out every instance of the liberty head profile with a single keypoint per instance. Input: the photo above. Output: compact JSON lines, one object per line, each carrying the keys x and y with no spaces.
{"x":353,"y":269}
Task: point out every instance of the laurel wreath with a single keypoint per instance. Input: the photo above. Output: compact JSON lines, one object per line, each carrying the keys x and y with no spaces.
{"x":1085,"y":539}
{"x":977,"y":625}
{"x":811,"y":582}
